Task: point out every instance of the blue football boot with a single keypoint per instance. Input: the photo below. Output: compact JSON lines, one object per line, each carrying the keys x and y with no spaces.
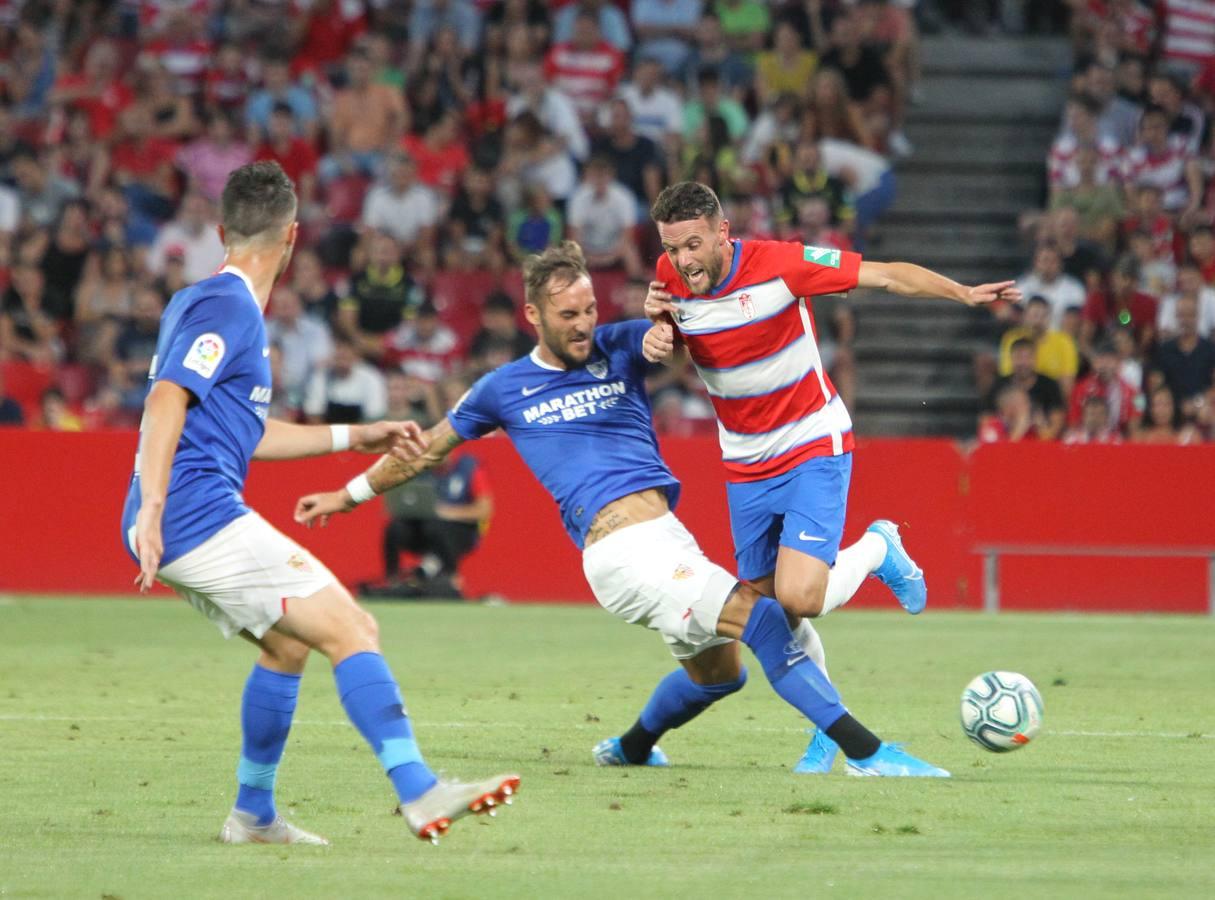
{"x":898,"y":571}
{"x":608,"y":753}
{"x":892,"y":761}
{"x":819,"y":756}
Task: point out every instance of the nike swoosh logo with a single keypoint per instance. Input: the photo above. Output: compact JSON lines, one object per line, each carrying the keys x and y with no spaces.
{"x":794,"y":660}
{"x":527,"y":392}
{"x":802,"y":536}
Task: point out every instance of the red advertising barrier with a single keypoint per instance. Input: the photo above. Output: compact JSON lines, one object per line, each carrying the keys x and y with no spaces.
{"x":64,"y":495}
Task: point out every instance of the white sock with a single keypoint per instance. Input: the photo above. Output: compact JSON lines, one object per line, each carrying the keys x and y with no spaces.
{"x":812,"y":644}
{"x":851,"y":566}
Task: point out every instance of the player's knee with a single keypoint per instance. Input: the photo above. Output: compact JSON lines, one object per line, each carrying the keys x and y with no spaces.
{"x":803,"y":600}
{"x":367,"y":627}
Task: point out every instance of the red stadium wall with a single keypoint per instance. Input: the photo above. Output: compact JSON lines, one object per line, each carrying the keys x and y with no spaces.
{"x":64,"y":492}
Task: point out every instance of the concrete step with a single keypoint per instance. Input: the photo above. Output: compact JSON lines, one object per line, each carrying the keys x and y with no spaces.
{"x":940,"y":190}
{"x":914,"y":423}
{"x":931,"y":381}
{"x":942,"y":134}
{"x":968,"y":94}
{"x":999,"y":57}
{"x":982,"y":235}
{"x":967,"y":164}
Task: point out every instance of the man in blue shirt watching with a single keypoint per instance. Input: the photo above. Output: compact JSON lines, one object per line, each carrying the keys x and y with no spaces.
{"x":187,"y":525}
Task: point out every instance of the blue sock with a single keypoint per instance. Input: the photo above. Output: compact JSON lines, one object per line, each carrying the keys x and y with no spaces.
{"x":678,"y":700}
{"x":793,"y":674}
{"x":265,"y":719}
{"x":373,"y":702}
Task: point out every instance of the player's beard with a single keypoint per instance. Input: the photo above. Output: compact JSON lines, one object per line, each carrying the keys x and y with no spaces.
{"x":558,"y":345}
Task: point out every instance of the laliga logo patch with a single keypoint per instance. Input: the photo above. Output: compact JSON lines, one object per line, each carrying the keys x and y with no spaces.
{"x":205,"y":354}
{"x":748,"y":308}
{"x":598,"y":368}
{"x":682,"y":572}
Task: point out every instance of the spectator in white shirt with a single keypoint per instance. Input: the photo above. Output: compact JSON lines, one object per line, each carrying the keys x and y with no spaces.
{"x":404,"y":207}
{"x":193,"y":237}
{"x":657,"y":110}
{"x":1189,"y":284}
{"x":602,"y":215}
{"x":305,"y":343}
{"x":1048,"y":280}
{"x":347,"y":391}
{"x":554,"y":109}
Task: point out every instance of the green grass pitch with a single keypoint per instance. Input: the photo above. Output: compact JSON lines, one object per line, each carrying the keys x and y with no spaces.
{"x":118,"y":721}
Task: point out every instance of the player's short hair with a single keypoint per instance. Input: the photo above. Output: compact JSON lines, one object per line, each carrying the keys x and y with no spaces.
{"x":558,"y":266}
{"x":258,"y":200}
{"x":684,"y":201}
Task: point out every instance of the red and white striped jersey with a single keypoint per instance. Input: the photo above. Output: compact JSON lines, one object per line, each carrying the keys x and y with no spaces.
{"x":1064,"y":171}
{"x":1189,"y":31}
{"x":588,"y":77}
{"x":753,"y":341}
{"x":1164,"y":170}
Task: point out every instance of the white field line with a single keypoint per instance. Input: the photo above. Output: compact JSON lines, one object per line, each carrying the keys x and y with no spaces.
{"x":587,"y":726}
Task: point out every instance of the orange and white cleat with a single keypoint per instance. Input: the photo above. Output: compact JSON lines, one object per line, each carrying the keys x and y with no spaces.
{"x":431,"y":815}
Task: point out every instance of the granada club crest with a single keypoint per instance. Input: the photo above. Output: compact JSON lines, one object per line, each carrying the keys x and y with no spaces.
{"x":748,"y":308}
{"x":598,"y":368}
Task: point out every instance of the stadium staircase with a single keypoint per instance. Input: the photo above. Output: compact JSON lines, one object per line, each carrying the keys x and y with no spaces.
{"x":981,"y":134}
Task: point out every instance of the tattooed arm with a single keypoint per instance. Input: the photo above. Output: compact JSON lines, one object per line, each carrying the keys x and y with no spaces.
{"x":387,"y":473}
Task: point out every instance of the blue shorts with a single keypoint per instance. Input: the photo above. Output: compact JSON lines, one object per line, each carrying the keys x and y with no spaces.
{"x":802,"y":509}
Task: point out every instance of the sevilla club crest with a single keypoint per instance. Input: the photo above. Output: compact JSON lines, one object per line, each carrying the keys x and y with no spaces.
{"x":599,"y":368}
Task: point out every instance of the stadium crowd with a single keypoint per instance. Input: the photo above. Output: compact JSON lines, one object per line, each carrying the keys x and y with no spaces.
{"x":1114,"y":342}
{"x":433,"y":143}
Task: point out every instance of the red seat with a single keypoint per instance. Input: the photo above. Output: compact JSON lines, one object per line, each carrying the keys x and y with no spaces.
{"x":77,"y":382}
{"x":25,"y":382}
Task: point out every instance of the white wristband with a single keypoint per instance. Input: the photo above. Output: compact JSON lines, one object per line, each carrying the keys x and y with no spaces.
{"x":360,"y":489}
{"x":341,"y":437}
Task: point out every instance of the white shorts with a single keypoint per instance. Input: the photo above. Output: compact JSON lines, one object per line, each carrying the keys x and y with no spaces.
{"x":241,"y":576}
{"x":654,"y":574}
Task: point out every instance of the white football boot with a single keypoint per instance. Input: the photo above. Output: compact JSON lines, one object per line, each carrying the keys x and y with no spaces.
{"x":242,"y":828}
{"x":431,"y":815}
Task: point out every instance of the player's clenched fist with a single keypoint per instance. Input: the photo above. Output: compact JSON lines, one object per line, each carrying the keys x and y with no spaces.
{"x":321,"y":506}
{"x":658,"y":343}
{"x":658,"y":302}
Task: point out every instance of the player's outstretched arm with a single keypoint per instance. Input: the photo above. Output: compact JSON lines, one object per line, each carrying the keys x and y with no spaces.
{"x":164,"y":416}
{"x":911,"y":280}
{"x":388,"y":472}
{"x":285,"y":440}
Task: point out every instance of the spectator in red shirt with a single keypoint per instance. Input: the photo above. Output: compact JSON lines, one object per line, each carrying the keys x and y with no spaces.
{"x":97,"y":90}
{"x":1094,"y":426}
{"x":1122,"y":304}
{"x":586,"y":68}
{"x":142,"y":165}
{"x":1104,"y":381}
{"x":439,"y":153}
{"x":1013,"y":419}
{"x":183,"y":50}
{"x":226,"y":84}
{"x":1201,"y":248}
{"x":293,"y":153}
{"x":325,"y":34}
{"x":423,"y":346}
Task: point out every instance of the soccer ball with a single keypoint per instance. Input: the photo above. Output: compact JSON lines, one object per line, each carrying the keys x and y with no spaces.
{"x":1001,"y":711}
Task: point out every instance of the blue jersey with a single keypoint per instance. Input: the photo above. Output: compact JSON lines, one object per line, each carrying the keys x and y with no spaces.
{"x":586,"y":433}
{"x":212,"y":342}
